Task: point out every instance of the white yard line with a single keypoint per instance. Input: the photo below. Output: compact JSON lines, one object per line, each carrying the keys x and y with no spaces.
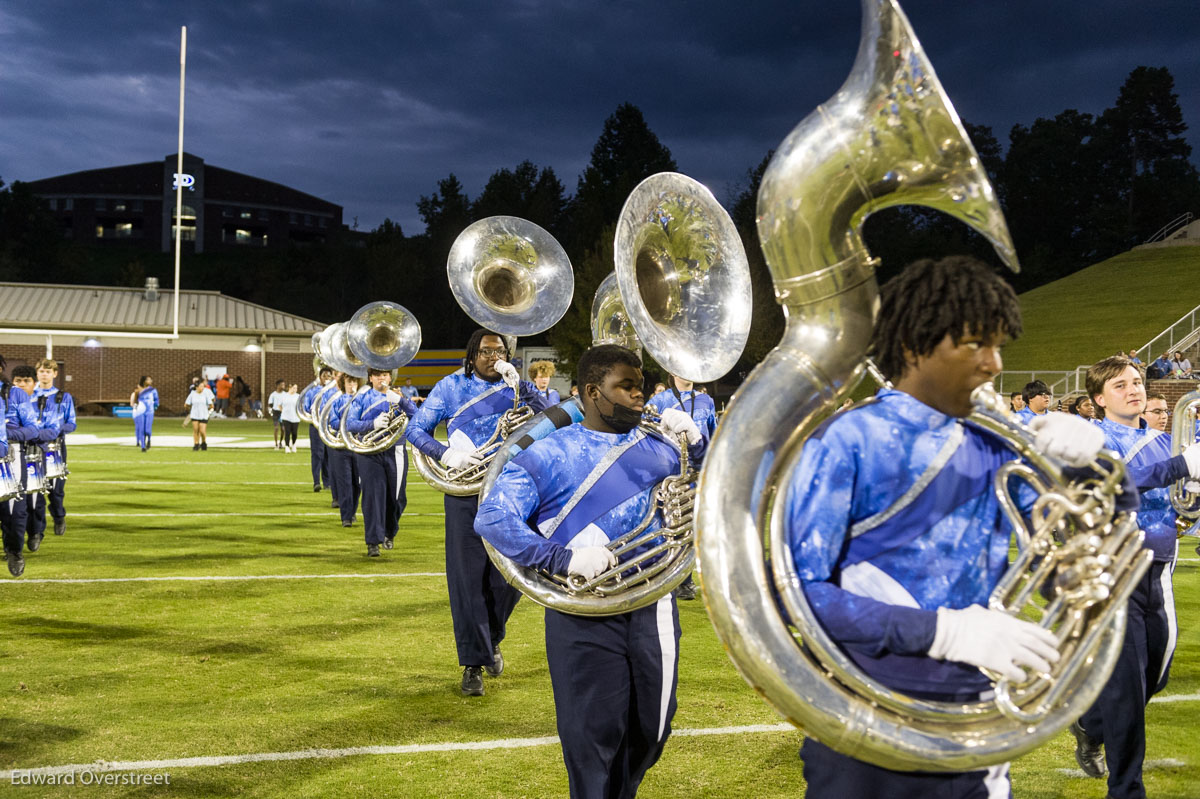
{"x":327,"y":754}
{"x":224,"y":578}
{"x":328,"y":512}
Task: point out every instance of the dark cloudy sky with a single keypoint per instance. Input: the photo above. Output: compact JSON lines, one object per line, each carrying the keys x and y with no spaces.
{"x":368,"y":103}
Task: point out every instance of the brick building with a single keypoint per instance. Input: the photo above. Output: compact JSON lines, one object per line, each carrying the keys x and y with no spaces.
{"x":258,"y":343}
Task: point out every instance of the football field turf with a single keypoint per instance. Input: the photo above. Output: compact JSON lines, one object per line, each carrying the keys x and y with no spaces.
{"x":207,"y":618}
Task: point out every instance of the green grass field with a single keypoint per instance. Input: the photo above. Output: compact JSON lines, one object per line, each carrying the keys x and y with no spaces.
{"x":171,"y":660}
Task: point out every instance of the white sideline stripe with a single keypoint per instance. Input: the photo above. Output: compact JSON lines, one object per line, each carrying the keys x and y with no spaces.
{"x":1175,"y":698}
{"x":324,"y":754}
{"x":224,"y":578}
{"x":329,"y":512}
{"x":1166,"y":762}
{"x":90,"y":481}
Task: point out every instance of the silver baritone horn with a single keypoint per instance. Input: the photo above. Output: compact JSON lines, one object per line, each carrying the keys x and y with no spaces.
{"x":384,"y":336}
{"x":888,"y":137}
{"x":681,"y":286}
{"x":513,"y":277}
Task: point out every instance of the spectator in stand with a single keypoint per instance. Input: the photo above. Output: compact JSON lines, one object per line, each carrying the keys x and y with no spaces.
{"x":1181,"y":367}
{"x":1082,"y":406}
{"x":224,"y":385}
{"x":1159,"y":368}
{"x":1016,"y":402}
{"x":1037,"y":398}
{"x":1134,"y":359}
{"x":1156,"y":413}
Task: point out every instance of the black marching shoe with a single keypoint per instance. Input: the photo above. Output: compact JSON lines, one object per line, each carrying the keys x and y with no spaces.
{"x":316,"y":489}
{"x":348,"y":524}
{"x":334,"y":504}
{"x":388,"y":543}
{"x":16,"y":563}
{"x":497,"y":667}
{"x":195,"y":448}
{"x":686,"y":592}
{"x":35,"y":541}
{"x":1089,"y":753}
{"x":60,"y":526}
{"x":472,"y":681}
{"x":372,"y":550}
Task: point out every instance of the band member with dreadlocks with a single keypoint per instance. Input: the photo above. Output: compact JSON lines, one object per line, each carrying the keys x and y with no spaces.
{"x":471,"y":403}
{"x":21,"y":430}
{"x":891,"y":513}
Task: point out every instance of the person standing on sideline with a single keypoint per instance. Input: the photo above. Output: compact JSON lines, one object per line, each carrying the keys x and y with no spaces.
{"x":144,"y":401}
{"x":343,"y":464}
{"x":1111,"y":736}
{"x":555,"y":507}
{"x":471,"y":403}
{"x":289,"y":418}
{"x":316,"y":447}
{"x":383,"y":475}
{"x":200,"y":404}
{"x":223,"y":388}
{"x":273,"y":409}
{"x":700,"y":408}
{"x":540,"y":373}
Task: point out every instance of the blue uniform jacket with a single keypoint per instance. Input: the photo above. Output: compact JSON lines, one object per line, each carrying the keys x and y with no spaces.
{"x":470,"y":406}
{"x":56,"y":410}
{"x":20,"y":418}
{"x":368,"y":404}
{"x":697,"y":404}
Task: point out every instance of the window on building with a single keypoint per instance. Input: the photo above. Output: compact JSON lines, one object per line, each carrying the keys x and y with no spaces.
{"x":308,"y":220}
{"x":185,"y":225}
{"x":120,"y":205}
{"x":292,"y":218}
{"x":99,"y":231}
{"x":52,"y":204}
{"x":323,"y":222}
{"x":124,"y":230}
{"x":247,"y":215}
{"x":227,"y":213}
{"x":137,"y":206}
{"x":263,"y":215}
{"x":69,"y":204}
{"x":101,"y":205}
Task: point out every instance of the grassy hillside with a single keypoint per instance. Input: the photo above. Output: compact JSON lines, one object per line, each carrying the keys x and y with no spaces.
{"x":1118,"y":304}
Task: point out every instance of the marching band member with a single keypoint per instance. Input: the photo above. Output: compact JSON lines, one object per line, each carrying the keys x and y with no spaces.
{"x":703,"y":411}
{"x":541,"y":372}
{"x":382,"y":475}
{"x":21,"y":429}
{"x":343,"y":465}
{"x":16,"y":565}
{"x":144,"y":401}
{"x":316,"y":447}
{"x":471,"y":403}
{"x":895,"y":530}
{"x":59,"y":406}
{"x":555,"y":507}
{"x":1111,"y":735}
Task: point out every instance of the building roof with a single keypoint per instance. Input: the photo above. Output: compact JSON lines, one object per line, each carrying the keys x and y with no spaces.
{"x":44,"y":305}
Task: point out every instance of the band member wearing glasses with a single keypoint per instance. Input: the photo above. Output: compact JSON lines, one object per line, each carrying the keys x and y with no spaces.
{"x":316,"y":447}
{"x":383,"y":475}
{"x":471,"y":403}
{"x":21,"y":430}
{"x":897,"y":490}
{"x":144,"y":401}
{"x":555,"y":507}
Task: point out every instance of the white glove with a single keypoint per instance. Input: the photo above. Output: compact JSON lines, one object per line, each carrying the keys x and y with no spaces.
{"x":587,"y":562}
{"x":677,"y":422}
{"x":508,"y":373}
{"x":1192,"y":456}
{"x":1069,"y":438}
{"x":459,"y":459}
{"x":1192,"y":487}
{"x":381,"y":421}
{"x":991,"y":639}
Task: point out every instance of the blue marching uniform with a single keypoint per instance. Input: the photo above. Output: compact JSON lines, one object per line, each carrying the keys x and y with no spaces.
{"x":317,"y":456}
{"x":1118,"y":717}
{"x":695,"y":404}
{"x":382,"y":475}
{"x":56,"y":412}
{"x":22,"y":431}
{"x":1025,"y":416}
{"x":890,"y":516}
{"x":614,"y":676}
{"x":143,"y":416}
{"x":343,"y":467}
{"x":480,"y":599}
{"x":550,"y":397}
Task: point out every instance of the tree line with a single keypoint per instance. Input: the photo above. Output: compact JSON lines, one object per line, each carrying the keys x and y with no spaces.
{"x":1076,"y":189}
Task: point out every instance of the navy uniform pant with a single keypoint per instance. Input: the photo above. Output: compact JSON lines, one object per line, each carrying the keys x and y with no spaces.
{"x":343,"y":471}
{"x":480,"y":599}
{"x":614,"y":694}
{"x":14,"y":512}
{"x":383,"y":477}
{"x":1118,"y":717}
{"x":831,"y":775}
{"x":318,"y":458}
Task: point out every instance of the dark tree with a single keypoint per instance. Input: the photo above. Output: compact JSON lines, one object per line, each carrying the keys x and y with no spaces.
{"x":29,"y":236}
{"x":525,"y":192}
{"x":766,"y":326}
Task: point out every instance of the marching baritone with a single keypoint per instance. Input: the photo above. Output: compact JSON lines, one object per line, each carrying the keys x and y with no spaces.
{"x":56,"y":411}
{"x":471,"y":403}
{"x":316,"y":447}
{"x":894,"y":527}
{"x":144,"y":402}
{"x":21,"y":430}
{"x":383,"y":476}
{"x":555,"y":507}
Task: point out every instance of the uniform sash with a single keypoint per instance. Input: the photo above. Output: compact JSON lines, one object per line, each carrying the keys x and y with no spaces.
{"x":490,"y":402}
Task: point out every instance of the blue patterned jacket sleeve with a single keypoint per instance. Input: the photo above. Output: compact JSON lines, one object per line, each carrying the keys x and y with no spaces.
{"x":431,"y":413}
{"x":21,"y":417}
{"x":3,"y":429}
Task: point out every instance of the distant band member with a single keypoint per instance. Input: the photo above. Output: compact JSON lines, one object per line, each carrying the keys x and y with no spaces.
{"x":21,"y":430}
{"x":343,"y":465}
{"x":540,"y":373}
{"x":56,"y":411}
{"x":382,"y":475}
{"x":316,"y":447}
{"x":555,"y":507}
{"x":144,"y":401}
{"x":471,"y":403}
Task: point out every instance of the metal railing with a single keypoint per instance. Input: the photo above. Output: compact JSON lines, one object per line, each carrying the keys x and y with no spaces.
{"x":1061,"y":383}
{"x":1179,"y":336}
{"x":1166,"y":230}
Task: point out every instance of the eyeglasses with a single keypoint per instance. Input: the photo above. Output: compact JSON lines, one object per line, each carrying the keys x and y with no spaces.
{"x":490,"y":353}
{"x":1158,"y":411}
